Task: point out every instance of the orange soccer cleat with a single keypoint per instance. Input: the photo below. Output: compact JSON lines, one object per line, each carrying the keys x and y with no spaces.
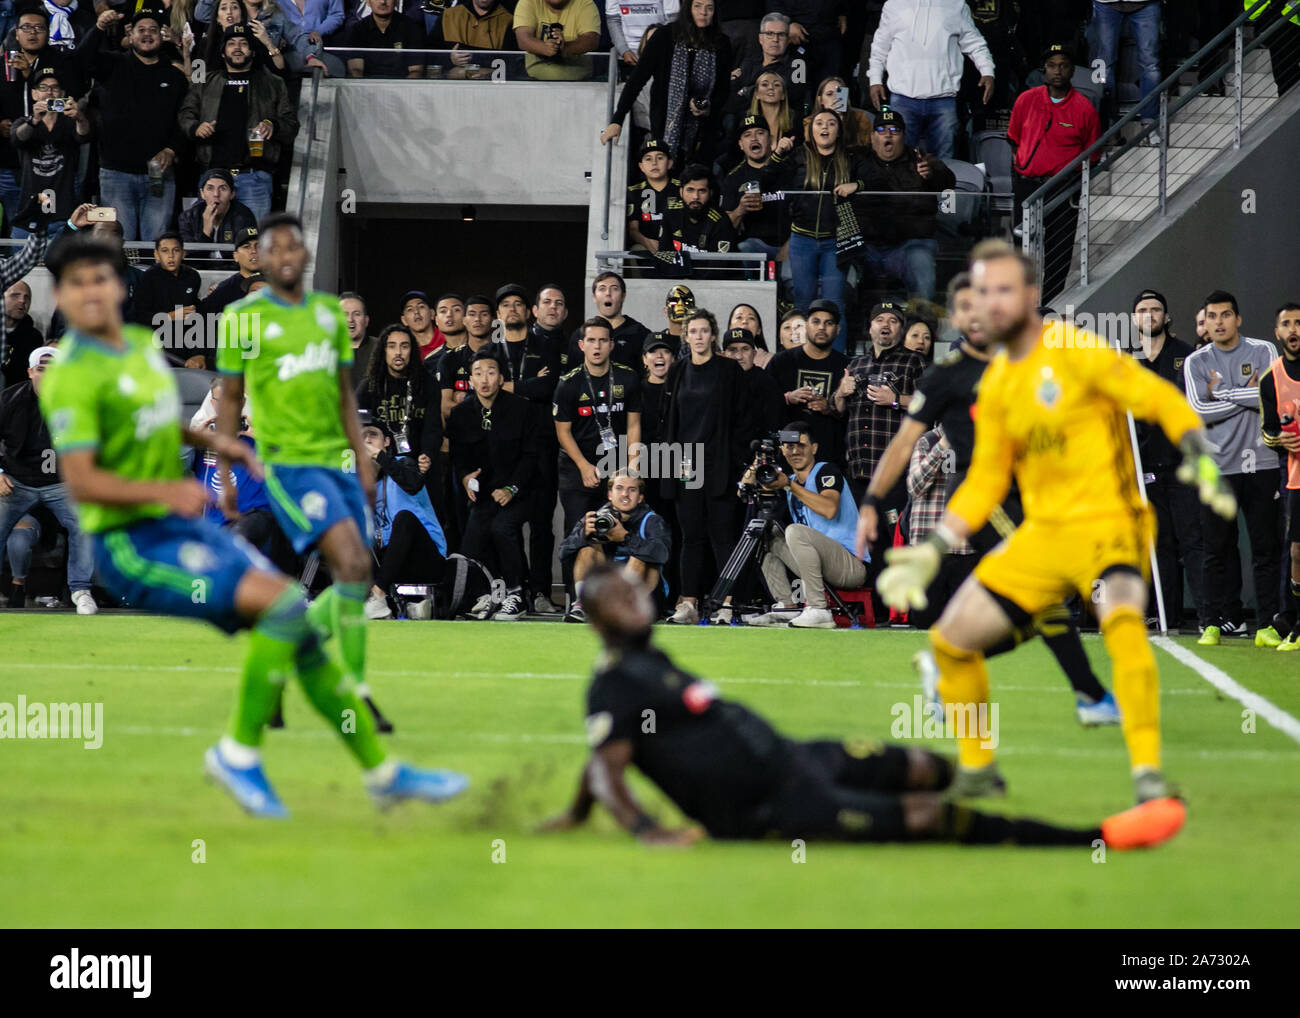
{"x":1144,"y":826}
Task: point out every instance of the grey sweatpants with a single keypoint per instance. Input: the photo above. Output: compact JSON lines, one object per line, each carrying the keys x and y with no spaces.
{"x":813,"y":557}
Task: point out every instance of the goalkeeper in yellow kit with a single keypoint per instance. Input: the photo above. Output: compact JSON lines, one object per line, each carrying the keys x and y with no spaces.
{"x":1052,"y":409}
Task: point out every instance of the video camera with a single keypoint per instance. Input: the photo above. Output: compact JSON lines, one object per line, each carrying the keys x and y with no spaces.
{"x":767,"y":458}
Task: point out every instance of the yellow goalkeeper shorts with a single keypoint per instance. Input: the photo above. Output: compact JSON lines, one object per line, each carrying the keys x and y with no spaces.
{"x":1041,"y":564}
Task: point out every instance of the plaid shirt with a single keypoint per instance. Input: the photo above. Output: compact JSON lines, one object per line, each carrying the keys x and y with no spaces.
{"x":872,"y":426}
{"x":926,"y":487}
{"x":12,"y":269}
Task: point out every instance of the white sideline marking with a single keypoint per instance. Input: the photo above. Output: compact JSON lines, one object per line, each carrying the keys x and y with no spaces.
{"x":1225,"y":683}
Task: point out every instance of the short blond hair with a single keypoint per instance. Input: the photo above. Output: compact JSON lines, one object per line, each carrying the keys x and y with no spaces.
{"x":995,"y":249}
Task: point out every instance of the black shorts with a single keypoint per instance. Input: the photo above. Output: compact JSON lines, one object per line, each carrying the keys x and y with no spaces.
{"x":1293,"y":511}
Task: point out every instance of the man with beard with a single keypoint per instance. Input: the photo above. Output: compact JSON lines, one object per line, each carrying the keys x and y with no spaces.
{"x":807,"y":375}
{"x":608,"y":292}
{"x":945,"y":396}
{"x":648,"y":198}
{"x":21,"y":335}
{"x":385,"y":29}
{"x":1279,"y":406}
{"x":532,"y":369}
{"x":417,"y":317}
{"x":232,"y":105}
{"x":140,"y":97}
{"x":363,"y":344}
{"x":692,"y":224}
{"x":769,"y":401}
{"x":217,"y":216}
{"x":1179,"y":546}
{"x":454,"y":367}
{"x":395,"y":391}
{"x":773,"y":54}
{"x":761,"y":221}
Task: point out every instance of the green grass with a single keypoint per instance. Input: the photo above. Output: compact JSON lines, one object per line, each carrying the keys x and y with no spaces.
{"x":105,"y":837}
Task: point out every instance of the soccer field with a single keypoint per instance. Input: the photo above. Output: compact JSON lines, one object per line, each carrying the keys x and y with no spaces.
{"x":107,"y":837}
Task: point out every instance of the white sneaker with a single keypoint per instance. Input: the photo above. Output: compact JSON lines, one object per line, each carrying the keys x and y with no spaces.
{"x":84,"y":602}
{"x":814,"y":618}
{"x":512,"y":609}
{"x":377,"y":607}
{"x":685,"y":615}
{"x":723,"y":616}
{"x":543,"y":605}
{"x":482,"y":608}
{"x":776,"y":617}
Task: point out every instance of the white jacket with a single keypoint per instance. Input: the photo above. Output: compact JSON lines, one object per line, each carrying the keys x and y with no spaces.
{"x":921,"y":42}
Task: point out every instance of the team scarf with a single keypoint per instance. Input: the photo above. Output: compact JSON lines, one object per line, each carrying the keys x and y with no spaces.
{"x":690,"y":77}
{"x":61,"y":33}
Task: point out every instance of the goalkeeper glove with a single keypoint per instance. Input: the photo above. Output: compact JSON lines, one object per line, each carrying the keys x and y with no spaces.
{"x":911,"y":570}
{"x":1199,"y":470}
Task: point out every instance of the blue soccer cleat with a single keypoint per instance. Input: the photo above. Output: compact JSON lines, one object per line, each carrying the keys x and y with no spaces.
{"x":1092,"y":715}
{"x":410,"y":782}
{"x":247,"y":785}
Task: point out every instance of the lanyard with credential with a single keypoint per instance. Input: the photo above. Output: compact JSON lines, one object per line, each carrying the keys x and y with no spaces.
{"x":607,"y":440}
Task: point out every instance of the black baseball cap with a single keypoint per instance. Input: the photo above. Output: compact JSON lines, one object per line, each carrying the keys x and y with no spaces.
{"x":891,"y":117}
{"x":658,"y":341}
{"x":752,"y":120}
{"x":220,"y":174}
{"x":738,"y":336}
{"x":245,"y":235}
{"x":411,"y":295}
{"x":370,"y":420}
{"x":1151,"y":295}
{"x":152,"y":13}
{"x":511,"y":290}
{"x":827,"y":306}
{"x":888,"y":307}
{"x":42,"y":73}
{"x":235,"y":32}
{"x":651,"y":145}
{"x":1058,"y":49}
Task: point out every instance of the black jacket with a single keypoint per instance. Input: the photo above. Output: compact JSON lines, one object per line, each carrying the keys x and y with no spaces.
{"x":654,"y":547}
{"x":507,"y":453}
{"x":268,"y":99}
{"x":20,"y":341}
{"x":741,"y":88}
{"x":629,"y":338}
{"x":139,"y":103}
{"x":541,"y":349}
{"x":388,"y":401}
{"x":813,"y":215}
{"x":25,"y":446}
{"x":160,"y":293}
{"x":726,"y":453}
{"x":238,"y":217}
{"x":894,"y":220}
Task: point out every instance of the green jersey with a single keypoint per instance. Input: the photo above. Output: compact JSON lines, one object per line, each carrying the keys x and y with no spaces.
{"x":124,"y":404}
{"x":290,"y":356}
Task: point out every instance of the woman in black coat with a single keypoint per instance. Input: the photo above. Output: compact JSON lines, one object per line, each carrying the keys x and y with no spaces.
{"x":711,"y":419}
{"x":691,"y":67}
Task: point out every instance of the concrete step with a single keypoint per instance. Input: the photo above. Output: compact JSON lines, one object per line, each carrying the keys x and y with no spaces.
{"x":1120,"y":207}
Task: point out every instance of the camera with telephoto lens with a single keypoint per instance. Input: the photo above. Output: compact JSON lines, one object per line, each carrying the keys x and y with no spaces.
{"x":605,"y":521}
{"x":767,"y":459}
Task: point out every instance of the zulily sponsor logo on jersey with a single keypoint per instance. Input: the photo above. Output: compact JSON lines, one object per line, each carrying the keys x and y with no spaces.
{"x":216,"y":330}
{"x":77,"y":971}
{"x":672,"y":461}
{"x":322,"y":356}
{"x":163,"y":412}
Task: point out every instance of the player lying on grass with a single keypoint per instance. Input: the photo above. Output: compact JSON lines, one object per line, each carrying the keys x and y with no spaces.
{"x":728,"y":769}
{"x":113,"y":410}
{"x":1052,"y":411}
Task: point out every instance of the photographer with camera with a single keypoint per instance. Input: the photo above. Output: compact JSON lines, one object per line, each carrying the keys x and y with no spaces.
{"x":624,"y":531}
{"x":818,"y":546}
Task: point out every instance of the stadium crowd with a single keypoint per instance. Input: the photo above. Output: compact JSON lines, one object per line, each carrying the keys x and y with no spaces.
{"x":831,"y":105}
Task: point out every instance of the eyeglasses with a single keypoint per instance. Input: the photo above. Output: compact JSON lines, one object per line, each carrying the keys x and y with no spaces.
{"x":889,"y":130}
{"x":775,"y":35}
{"x":30,"y":28}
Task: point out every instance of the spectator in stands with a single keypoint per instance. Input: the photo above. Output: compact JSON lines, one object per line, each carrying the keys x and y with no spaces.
{"x":69,"y":23}
{"x":1222,"y":385}
{"x":557,"y":35}
{"x":746,"y":316}
{"x":363,"y":344}
{"x":694,"y":225}
{"x":224,"y":14}
{"x":773,"y":53}
{"x":807,"y":374}
{"x":234,"y":287}
{"x":319,"y":19}
{"x":1180,"y":548}
{"x":771,"y":102}
{"x":920,"y":44}
{"x":640,"y":540}
{"x":395,"y":391}
{"x":410,"y":544}
{"x":900,"y":231}
{"x":874,"y":395}
{"x":792,"y":330}
{"x":550,"y":312}
{"x":30,"y":48}
{"x":832,"y":95}
{"x":218,"y":216}
{"x":418,"y":319}
{"x":817,"y":26}
{"x":168,"y":294}
{"x":767,"y":398}
{"x":139,"y":133}
{"x":475,"y":25}
{"x":286,"y":45}
{"x":242,"y":118}
{"x":1051,"y":126}
{"x":627,"y":23}
{"x":597,"y":410}
{"x":448,"y":332}
{"x":822,"y":165}
{"x":657,"y":356}
{"x":29,"y":477}
{"x":918,"y":336}
{"x":711,"y":418}
{"x":817,"y":546}
{"x":1142,"y":20}
{"x":1202,"y":333}
{"x":383,"y":28}
{"x":761,"y":222}
{"x":494,"y":451}
{"x":49,"y":144}
{"x":647,"y":198}
{"x":690,"y":64}
{"x":927,"y":498}
{"x":607,"y":295}
{"x":739,"y":21}
{"x":454,"y":368}
{"x":22,"y":336}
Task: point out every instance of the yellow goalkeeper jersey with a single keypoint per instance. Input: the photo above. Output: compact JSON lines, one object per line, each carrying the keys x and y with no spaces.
{"x":1056,"y":420}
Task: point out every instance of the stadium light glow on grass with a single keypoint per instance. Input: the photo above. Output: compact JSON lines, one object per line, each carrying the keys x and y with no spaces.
{"x":130,"y":835}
